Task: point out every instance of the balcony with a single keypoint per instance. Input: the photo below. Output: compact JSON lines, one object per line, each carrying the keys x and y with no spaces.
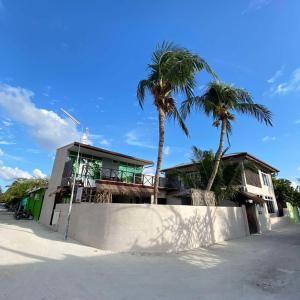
{"x":87,"y":178}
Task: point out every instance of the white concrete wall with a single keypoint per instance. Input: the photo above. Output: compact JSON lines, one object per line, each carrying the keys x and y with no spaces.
{"x":263,"y":218}
{"x":54,"y":182}
{"x":152,"y":228}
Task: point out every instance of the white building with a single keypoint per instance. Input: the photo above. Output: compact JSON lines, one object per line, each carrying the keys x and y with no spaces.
{"x":256,"y":190}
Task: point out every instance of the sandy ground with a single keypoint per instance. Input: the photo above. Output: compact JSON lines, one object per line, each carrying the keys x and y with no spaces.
{"x":35,"y":263}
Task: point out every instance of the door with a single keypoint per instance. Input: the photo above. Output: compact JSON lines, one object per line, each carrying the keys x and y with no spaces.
{"x":252,"y":218}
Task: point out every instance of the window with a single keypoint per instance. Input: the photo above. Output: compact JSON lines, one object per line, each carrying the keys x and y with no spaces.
{"x":265,"y":178}
{"x":252,"y":178}
{"x":270,"y":206}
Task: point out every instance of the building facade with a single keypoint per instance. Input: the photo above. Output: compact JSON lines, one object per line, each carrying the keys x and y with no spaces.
{"x":101,"y":176}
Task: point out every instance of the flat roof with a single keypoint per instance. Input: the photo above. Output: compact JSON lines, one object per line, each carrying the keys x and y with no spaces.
{"x":245,"y":155}
{"x":109,"y":153}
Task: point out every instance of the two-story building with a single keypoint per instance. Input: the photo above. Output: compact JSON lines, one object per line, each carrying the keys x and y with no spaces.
{"x":256,"y":191}
{"x":101,"y":176}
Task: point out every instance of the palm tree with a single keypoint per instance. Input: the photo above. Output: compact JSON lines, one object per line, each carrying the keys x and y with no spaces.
{"x":228,"y":178}
{"x":221,"y":101}
{"x":172,"y":71}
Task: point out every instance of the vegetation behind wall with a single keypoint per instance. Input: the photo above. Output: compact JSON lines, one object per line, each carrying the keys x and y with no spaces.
{"x":19,"y":189}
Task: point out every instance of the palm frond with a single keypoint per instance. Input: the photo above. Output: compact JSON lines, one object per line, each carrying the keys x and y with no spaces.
{"x":174,"y":113}
{"x":143,"y":86}
{"x":259,"y":111}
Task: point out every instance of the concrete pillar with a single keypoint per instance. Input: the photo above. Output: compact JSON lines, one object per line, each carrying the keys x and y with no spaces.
{"x":152,"y":199}
{"x":247,"y":231}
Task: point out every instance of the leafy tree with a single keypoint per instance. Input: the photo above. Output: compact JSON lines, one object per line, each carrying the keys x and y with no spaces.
{"x":228,"y":178}
{"x":172,"y":71}
{"x":285,"y":192}
{"x":20,"y":187}
{"x":222,"y":101}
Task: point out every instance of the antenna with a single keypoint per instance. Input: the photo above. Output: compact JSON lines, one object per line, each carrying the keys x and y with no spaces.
{"x":70,"y":116}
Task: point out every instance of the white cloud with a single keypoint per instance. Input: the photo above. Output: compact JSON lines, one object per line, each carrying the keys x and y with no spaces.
{"x":9,"y":173}
{"x":256,"y":5}
{"x":133,"y":138}
{"x":6,"y":143}
{"x":99,"y":139}
{"x":294,"y":184}
{"x":104,"y":142}
{"x":268,"y":138}
{"x":149,"y":170}
{"x":7,"y":123}
{"x":297,"y":122}
{"x":34,"y":151}
{"x":167,"y":150}
{"x":292,"y":85}
{"x":37,"y":173}
{"x":9,"y":156}
{"x":46,"y":127}
{"x":277,"y":74}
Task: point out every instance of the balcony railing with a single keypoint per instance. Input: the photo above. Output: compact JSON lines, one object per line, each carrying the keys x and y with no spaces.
{"x":88,"y":178}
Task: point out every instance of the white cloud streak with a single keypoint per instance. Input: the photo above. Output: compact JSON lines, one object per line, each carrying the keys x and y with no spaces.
{"x":46,"y":127}
{"x":276,"y":75}
{"x":268,"y":138}
{"x":9,"y":173}
{"x":255,"y":5}
{"x":167,"y":150}
{"x":99,"y":139}
{"x":292,"y":85}
{"x":3,"y":142}
{"x":133,"y":138}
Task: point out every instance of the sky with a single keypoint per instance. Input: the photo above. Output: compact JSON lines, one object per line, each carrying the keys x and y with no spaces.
{"x":88,"y":57}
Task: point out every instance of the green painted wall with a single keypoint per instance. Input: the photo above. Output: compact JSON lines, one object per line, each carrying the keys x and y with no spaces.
{"x":35,"y":202}
{"x":129,"y":170}
{"x":293,"y":213}
{"x":95,"y":164}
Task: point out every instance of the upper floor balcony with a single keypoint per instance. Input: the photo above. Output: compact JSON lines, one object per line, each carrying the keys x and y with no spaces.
{"x":87,"y":178}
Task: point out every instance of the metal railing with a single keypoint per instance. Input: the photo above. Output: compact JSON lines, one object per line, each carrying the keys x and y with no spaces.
{"x":88,"y":177}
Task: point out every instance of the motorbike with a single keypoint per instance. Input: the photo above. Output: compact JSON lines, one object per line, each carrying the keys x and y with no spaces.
{"x":23,"y":214}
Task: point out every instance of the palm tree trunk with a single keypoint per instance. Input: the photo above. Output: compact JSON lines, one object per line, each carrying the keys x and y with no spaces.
{"x":161,"y":119}
{"x":217,"y":157}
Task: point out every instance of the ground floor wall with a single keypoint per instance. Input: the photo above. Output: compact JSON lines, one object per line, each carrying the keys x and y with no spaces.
{"x":47,"y":208}
{"x":152,"y":228}
{"x":263,"y":218}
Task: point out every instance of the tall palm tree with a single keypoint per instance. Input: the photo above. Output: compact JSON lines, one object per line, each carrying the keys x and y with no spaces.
{"x":228,"y":179}
{"x":221,"y":101}
{"x":172,"y":71}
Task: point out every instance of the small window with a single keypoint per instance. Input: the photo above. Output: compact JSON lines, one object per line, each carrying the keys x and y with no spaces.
{"x":265,"y":178}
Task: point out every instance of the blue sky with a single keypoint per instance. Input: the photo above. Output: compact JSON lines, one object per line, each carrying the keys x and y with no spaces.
{"x":88,"y":57}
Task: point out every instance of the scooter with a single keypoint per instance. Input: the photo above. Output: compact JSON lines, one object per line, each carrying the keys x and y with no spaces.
{"x":23,"y":214}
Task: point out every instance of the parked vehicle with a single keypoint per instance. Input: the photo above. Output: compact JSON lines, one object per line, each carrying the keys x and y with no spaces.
{"x":23,"y":214}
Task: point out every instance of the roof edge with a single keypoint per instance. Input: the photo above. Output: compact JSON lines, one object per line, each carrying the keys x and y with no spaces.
{"x":141,"y":160}
{"x":234,"y":155}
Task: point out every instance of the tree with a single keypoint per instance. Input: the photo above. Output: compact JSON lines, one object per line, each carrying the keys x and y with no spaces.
{"x":228,"y":178}
{"x":285,"y":192}
{"x":172,"y":71}
{"x":20,"y":187}
{"x":221,"y":101}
